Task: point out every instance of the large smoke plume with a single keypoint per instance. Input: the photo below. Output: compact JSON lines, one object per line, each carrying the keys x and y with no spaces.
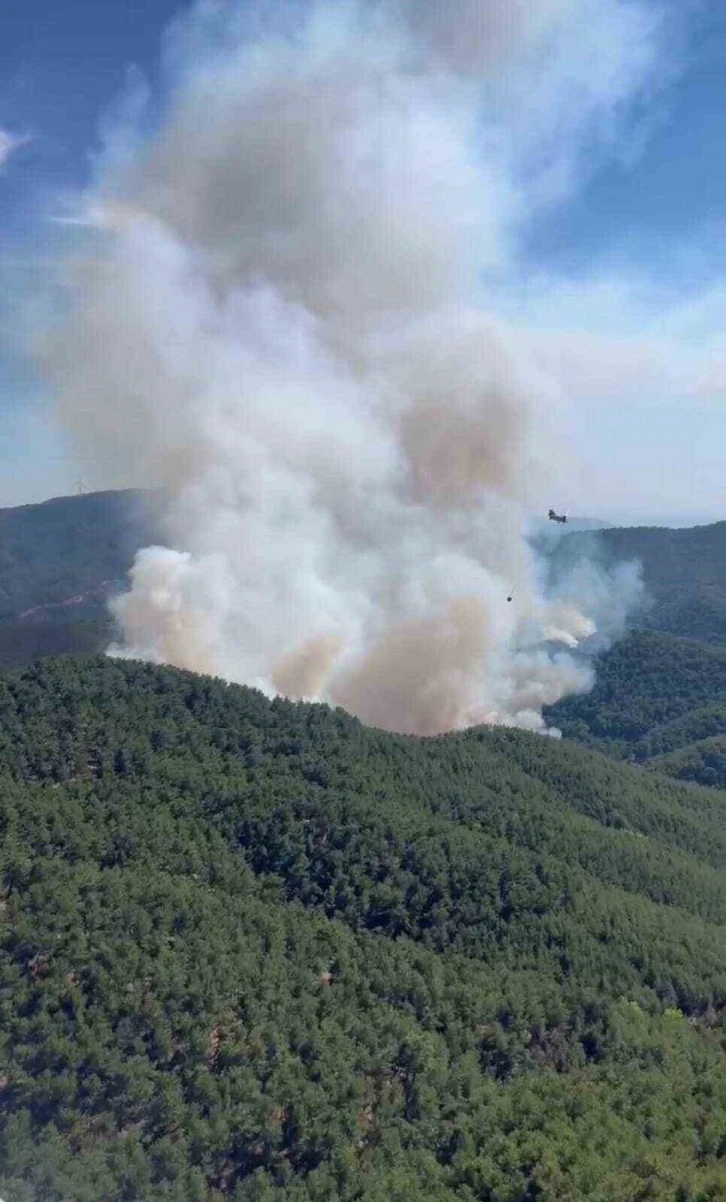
{"x":283,"y":326}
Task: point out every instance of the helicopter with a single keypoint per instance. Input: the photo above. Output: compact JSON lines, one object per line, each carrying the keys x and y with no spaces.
{"x":556,"y":517}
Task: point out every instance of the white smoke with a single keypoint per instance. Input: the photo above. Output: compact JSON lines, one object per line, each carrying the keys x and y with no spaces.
{"x":286,"y":332}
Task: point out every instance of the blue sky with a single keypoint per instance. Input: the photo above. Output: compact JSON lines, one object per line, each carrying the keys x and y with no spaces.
{"x":675,"y":191}
{"x":61,"y":66}
{"x":635,"y":250}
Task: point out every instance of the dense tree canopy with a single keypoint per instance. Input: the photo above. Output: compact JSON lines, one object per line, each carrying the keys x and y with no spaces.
{"x":659,"y":701}
{"x":254,"y":950}
{"x":59,"y":561}
{"x":684,"y":572}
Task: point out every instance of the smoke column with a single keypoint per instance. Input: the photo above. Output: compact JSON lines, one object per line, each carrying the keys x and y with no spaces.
{"x":283,"y":326}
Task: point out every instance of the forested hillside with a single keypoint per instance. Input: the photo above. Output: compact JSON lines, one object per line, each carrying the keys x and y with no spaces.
{"x":59,"y":562}
{"x":659,"y":701}
{"x":684,"y":572}
{"x":254,"y":950}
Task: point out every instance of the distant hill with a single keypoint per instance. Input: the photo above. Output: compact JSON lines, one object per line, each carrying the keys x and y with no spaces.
{"x":59,"y":563}
{"x":60,"y":560}
{"x":253,"y":950}
{"x":703,"y":761}
{"x":657,"y":700}
{"x":684,"y":572}
{"x":67,"y":546}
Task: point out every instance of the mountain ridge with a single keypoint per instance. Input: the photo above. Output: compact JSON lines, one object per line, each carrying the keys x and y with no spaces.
{"x":69,"y":553}
{"x":61,"y":560}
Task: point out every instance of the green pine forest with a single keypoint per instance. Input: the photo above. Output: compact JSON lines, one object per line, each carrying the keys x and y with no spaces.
{"x":658,"y":701}
{"x":255,"y":950}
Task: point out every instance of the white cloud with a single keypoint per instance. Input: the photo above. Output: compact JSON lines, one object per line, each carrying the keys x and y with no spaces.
{"x":643,"y":377}
{"x":610,"y":337}
{"x":9,"y":143}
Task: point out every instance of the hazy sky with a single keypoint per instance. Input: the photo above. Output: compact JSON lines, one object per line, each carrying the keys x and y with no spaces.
{"x":620,"y":280}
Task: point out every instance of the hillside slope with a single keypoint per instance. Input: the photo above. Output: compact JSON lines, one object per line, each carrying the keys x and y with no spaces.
{"x":657,"y":700}
{"x":62,"y":559}
{"x":703,"y":761}
{"x":684,"y":572}
{"x":55,"y":550}
{"x":254,"y":950}
{"x":59,"y":562}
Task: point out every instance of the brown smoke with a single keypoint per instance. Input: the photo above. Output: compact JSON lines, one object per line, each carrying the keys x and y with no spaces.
{"x":303,"y":672}
{"x":421,"y":677}
{"x":287,"y":329}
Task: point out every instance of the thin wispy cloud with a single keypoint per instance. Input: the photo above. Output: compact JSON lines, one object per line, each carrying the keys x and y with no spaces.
{"x":84,"y":218}
{"x":84,"y":222}
{"x":9,"y":144}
